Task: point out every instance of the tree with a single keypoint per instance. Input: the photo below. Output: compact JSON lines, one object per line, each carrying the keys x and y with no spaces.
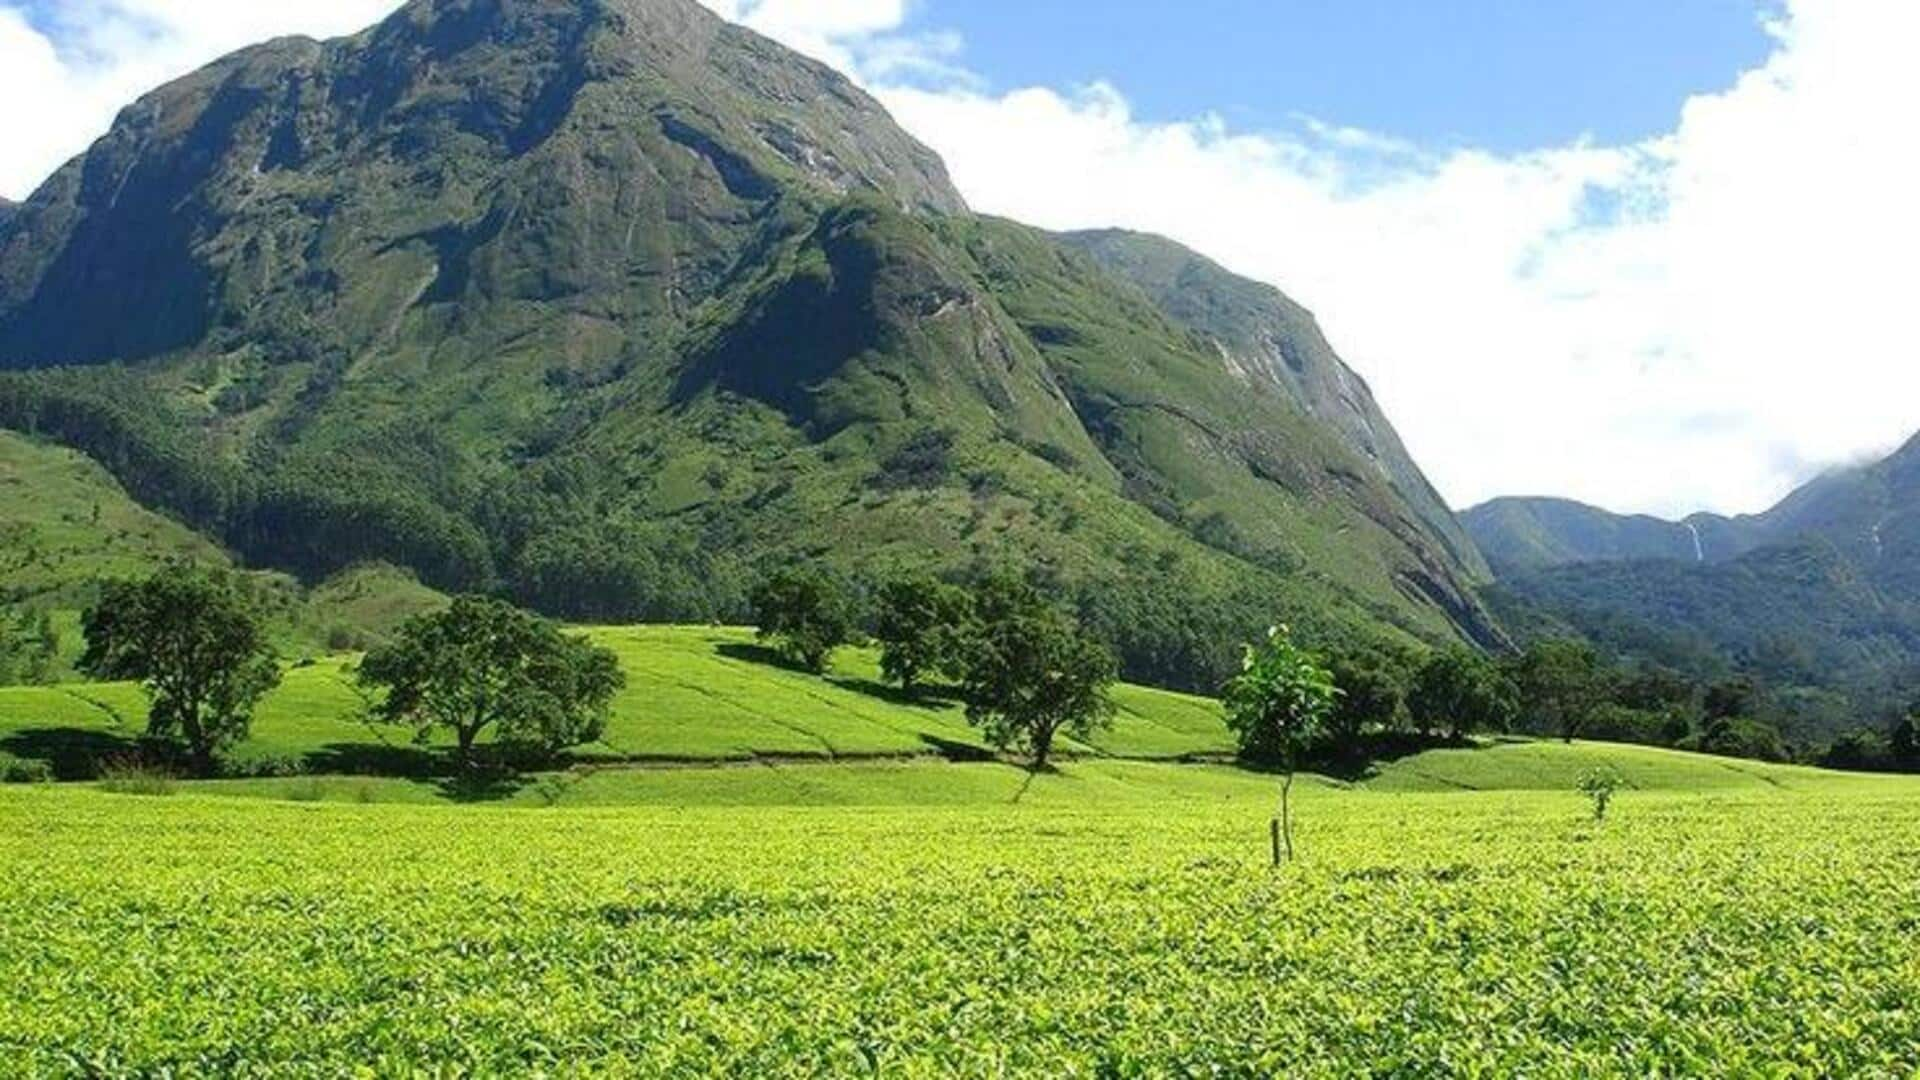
{"x":1372,"y":694}
{"x":1460,"y":692}
{"x":198,"y":649}
{"x":1729,"y":700}
{"x":922,"y":627}
{"x":1560,"y":686}
{"x":1278,"y":707}
{"x":1904,"y":741}
{"x":805,"y":615}
{"x":1030,"y":674}
{"x":29,"y":647}
{"x":483,"y":662}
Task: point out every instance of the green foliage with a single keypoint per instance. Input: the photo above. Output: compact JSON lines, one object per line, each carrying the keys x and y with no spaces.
{"x":1279,"y":706}
{"x":1560,"y":684}
{"x":29,"y":647}
{"x":1903,"y":741}
{"x":1031,"y":673}
{"x":922,"y":625}
{"x":1459,"y":692}
{"x":484,"y":663}
{"x":1373,"y":693}
{"x":133,"y":776}
{"x":646,"y":939}
{"x":806,"y":614}
{"x":17,"y":770}
{"x":1734,"y":736}
{"x":198,"y":649}
{"x":1598,"y":785}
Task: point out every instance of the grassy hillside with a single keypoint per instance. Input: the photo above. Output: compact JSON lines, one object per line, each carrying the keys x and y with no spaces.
{"x":1097,"y":924}
{"x":694,"y":694}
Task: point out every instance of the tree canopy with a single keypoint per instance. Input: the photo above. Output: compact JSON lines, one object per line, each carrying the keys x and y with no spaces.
{"x":1032,"y":673}
{"x":922,"y":624}
{"x":484,"y":663}
{"x":805,"y":615}
{"x":201,"y":654}
{"x":1458,"y":691}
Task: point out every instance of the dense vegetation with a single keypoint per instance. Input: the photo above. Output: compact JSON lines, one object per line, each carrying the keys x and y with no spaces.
{"x":1816,"y":602}
{"x":1112,"y":918}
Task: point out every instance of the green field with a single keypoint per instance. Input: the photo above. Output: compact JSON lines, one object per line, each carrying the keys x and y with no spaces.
{"x":762,"y":872}
{"x":1115,"y":919}
{"x":693,"y":694}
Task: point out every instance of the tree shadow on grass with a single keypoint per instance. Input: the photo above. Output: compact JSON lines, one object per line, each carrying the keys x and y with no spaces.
{"x":760,"y":654}
{"x":482,"y":784}
{"x":954,"y":750}
{"x":1377,"y":748}
{"x":72,"y":753}
{"x":378,"y":759}
{"x":921,"y":697}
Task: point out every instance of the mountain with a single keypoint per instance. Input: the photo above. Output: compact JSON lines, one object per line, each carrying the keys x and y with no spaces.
{"x":1265,"y":338}
{"x":1860,"y":510}
{"x":1818,"y":597}
{"x":7,"y":207}
{"x":613,"y":305}
{"x":1517,"y":535}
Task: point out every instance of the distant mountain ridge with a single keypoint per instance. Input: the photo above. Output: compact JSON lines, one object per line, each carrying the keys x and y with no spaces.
{"x":1818,"y":597}
{"x":611,"y":305}
{"x":1858,"y":509}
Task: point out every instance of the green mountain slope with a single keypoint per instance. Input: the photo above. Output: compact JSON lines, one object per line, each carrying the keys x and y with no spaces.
{"x":612,"y":305}
{"x":1269,"y":341}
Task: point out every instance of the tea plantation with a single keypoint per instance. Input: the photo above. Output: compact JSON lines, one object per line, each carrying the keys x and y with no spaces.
{"x":1113,"y":919}
{"x":764,"y":873}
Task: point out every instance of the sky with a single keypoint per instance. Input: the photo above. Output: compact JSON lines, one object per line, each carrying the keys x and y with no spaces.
{"x":1656,"y":255}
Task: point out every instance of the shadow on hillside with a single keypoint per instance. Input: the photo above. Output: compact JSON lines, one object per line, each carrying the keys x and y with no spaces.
{"x":377,"y":759}
{"x":921,"y":697}
{"x":1362,"y":762}
{"x":482,"y":785}
{"x":72,"y":753}
{"x":957,"y":751}
{"x":758,"y":654}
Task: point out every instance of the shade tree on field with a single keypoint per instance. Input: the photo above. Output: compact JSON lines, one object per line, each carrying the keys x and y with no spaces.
{"x":1031,"y":672}
{"x":805,"y":615}
{"x":923,"y":626}
{"x":1561,"y":685}
{"x":483,"y":663}
{"x":1373,"y":695}
{"x":200,"y":652}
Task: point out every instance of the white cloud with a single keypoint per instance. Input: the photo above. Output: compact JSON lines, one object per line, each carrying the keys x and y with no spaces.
{"x":1695,"y":321}
{"x":65,"y":74}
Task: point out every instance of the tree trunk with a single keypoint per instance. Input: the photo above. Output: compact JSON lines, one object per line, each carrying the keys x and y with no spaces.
{"x":466,"y":735}
{"x":1286,"y":815}
{"x":1042,"y":748}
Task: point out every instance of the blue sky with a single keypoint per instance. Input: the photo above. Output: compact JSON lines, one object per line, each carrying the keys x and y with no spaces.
{"x":1505,"y":75}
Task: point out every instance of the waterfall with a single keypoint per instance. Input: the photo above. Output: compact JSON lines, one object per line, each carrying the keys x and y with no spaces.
{"x":1699,"y":552}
